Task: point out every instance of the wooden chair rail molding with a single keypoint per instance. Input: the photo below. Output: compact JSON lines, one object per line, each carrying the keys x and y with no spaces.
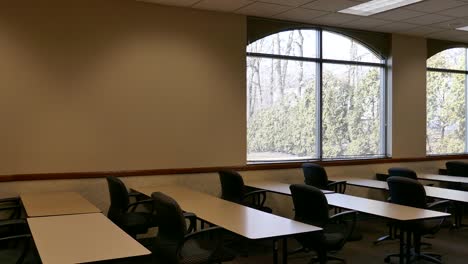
{"x":249,"y":167}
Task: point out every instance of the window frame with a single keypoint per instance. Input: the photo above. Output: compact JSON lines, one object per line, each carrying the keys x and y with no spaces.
{"x":320,"y":61}
{"x":454,"y":71}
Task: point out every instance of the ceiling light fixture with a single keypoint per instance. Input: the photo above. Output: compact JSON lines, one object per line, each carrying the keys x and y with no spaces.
{"x":376,"y":6}
{"x":463,"y":28}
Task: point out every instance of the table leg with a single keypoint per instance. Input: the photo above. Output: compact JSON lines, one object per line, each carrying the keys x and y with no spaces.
{"x":408,"y":247}
{"x":275,"y":251}
{"x":285,"y":250}
{"x":402,"y":244}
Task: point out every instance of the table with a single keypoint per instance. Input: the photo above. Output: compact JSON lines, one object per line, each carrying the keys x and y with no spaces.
{"x":443,"y":178}
{"x":56,"y":203}
{"x":81,"y":238}
{"x":378,"y":208}
{"x":274,"y":187}
{"x":435,"y":192}
{"x":242,"y":220}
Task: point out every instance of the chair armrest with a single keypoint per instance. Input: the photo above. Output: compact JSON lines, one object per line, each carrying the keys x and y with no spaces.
{"x":338,"y":186}
{"x":193,"y":221}
{"x":10,"y":200}
{"x":343,"y":214}
{"x":11,"y":222}
{"x":340,"y":216}
{"x":202,"y":232}
{"x":9,"y":207}
{"x":132,"y":206}
{"x":443,"y":204}
{"x":261,"y":193}
{"x":17,"y":237}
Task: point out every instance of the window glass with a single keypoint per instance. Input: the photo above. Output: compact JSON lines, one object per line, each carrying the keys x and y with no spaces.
{"x":339,"y":47}
{"x":454,"y":59}
{"x":293,"y":94}
{"x":352,"y":110}
{"x":446,"y":113}
{"x":299,"y":43}
{"x":281,"y":109}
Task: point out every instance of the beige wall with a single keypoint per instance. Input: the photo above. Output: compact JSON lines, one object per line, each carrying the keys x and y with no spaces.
{"x":408,"y":96}
{"x":117,"y":85}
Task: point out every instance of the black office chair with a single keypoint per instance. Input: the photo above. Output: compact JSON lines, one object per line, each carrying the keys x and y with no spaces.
{"x":315,"y":175}
{"x":175,"y":245}
{"x":122,"y":212}
{"x":233,"y":189}
{"x":410,"y":192}
{"x":403,"y":172}
{"x":311,"y":207}
{"x":457,"y":168}
{"x":10,"y":208}
{"x":14,"y":244}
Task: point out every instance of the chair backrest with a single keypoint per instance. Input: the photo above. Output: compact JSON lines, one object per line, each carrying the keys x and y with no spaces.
{"x":315,"y":175}
{"x":119,"y":199}
{"x":232,"y":185}
{"x":406,"y":191}
{"x":457,"y":168}
{"x":403,"y":172}
{"x":172,"y":228}
{"x":310,"y":205}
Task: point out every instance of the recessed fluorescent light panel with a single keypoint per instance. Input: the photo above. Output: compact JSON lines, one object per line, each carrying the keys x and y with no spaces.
{"x":377,"y":6}
{"x":463,"y":28}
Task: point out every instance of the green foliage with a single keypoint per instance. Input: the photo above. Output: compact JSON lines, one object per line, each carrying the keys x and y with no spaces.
{"x":445,"y":107}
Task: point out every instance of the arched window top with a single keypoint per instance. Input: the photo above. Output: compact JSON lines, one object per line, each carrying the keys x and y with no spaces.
{"x":304,"y":43}
{"x":451,"y":59}
{"x":339,"y":47}
{"x":299,"y":43}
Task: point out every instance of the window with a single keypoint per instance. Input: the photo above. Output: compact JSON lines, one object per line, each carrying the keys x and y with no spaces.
{"x":446,"y":102}
{"x":314,"y":94}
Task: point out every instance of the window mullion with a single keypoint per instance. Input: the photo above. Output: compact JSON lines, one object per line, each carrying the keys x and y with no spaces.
{"x":319,"y":84}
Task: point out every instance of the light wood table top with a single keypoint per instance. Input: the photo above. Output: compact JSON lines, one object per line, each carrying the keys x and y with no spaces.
{"x":374,"y":207}
{"x":56,"y":203}
{"x":242,"y":220}
{"x":81,"y":238}
{"x":434,"y":192}
{"x":443,"y":178}
{"x":275,"y":187}
{"x":382,"y":209}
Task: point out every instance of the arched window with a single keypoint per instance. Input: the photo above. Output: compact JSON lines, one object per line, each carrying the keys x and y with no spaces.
{"x":447,"y":72}
{"x":314,"y":94}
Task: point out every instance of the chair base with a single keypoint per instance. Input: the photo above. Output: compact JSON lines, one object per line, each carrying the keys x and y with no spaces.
{"x":431,"y":257}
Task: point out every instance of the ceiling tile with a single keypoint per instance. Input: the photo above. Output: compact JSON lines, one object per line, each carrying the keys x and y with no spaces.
{"x":421,"y":31}
{"x":431,"y":6}
{"x":171,"y":2}
{"x":330,"y":5}
{"x":263,"y":9}
{"x":335,"y":19}
{"x":428,"y":19}
{"x":222,"y":5}
{"x":301,"y":14}
{"x":398,"y":14}
{"x":395,"y":27}
{"x":461,"y":11}
{"x":366,"y":23}
{"x":293,"y":3}
{"x":452,"y":24}
{"x":449,"y":34}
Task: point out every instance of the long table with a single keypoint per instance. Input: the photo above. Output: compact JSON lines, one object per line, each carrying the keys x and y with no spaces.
{"x":56,"y":203}
{"x":459,"y":197}
{"x":443,"y":178}
{"x":239,"y":219}
{"x":81,"y":238}
{"x":378,"y":208}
